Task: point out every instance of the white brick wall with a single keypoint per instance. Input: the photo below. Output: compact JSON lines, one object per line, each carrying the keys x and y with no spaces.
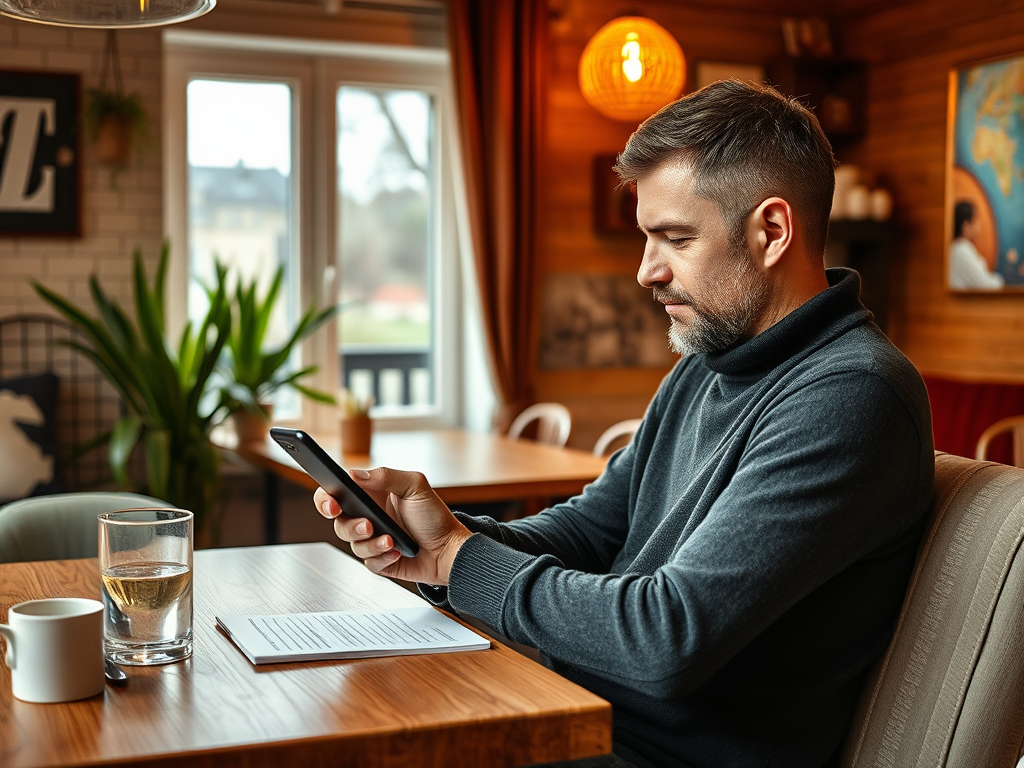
{"x":114,"y":221}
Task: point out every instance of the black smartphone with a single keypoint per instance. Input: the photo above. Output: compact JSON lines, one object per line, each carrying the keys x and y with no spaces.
{"x":353,"y":500}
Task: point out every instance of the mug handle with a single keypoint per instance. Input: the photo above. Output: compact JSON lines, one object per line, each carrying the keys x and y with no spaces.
{"x":8,"y":633}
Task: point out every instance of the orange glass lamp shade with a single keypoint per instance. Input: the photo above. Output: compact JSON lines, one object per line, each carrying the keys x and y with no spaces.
{"x":631,"y":68}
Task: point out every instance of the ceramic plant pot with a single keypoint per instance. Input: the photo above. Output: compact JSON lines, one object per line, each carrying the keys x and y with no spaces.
{"x":253,"y":428}
{"x":113,"y":140}
{"x":356,"y":434}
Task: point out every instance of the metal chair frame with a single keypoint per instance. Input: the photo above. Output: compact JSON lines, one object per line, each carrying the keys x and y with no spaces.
{"x":87,"y":404}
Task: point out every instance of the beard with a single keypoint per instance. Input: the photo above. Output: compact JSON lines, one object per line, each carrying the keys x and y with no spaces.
{"x":724,"y":315}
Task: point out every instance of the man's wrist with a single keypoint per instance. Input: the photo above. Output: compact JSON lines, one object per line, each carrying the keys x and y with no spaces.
{"x":451,"y":548}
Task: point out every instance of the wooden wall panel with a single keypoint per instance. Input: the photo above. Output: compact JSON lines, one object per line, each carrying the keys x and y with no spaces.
{"x":735,"y":31}
{"x":911,"y":48}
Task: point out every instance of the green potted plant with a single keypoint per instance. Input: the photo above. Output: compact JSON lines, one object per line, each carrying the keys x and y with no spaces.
{"x":252,"y":371}
{"x":115,"y":123}
{"x":166,"y":390}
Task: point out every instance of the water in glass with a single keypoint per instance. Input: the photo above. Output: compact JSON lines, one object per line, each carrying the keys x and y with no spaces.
{"x":146,"y":571}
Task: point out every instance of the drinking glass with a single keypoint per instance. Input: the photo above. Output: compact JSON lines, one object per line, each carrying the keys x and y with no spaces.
{"x":146,"y":568}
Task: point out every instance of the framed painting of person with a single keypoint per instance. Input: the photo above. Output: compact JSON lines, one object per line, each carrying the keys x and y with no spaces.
{"x":985,"y":176}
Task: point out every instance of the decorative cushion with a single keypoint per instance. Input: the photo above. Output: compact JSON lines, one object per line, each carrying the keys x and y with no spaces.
{"x":28,"y":436}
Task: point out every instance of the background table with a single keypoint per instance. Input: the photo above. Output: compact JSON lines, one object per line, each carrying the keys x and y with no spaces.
{"x":463,"y":467}
{"x":216,"y":710}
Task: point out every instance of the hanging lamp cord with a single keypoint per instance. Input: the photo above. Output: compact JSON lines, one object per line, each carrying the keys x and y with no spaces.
{"x":111,"y":63}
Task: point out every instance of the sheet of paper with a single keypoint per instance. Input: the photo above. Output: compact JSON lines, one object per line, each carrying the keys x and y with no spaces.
{"x":348,"y":634}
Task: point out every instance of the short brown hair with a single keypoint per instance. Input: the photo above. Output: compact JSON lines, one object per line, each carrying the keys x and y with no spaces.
{"x":745,"y":143}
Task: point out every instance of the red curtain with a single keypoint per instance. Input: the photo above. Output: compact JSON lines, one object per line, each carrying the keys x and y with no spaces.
{"x":499,"y":60}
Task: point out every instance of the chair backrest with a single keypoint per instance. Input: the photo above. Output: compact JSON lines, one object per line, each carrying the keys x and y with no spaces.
{"x":87,"y":405}
{"x":616,"y":431}
{"x":947,"y":692}
{"x":61,"y":526}
{"x":1012,"y":424}
{"x":554,"y":423}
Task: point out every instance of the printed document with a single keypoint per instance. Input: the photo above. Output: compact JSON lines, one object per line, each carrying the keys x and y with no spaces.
{"x":348,"y":635}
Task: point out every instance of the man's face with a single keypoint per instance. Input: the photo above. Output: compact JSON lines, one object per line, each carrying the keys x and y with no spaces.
{"x":712,"y":292}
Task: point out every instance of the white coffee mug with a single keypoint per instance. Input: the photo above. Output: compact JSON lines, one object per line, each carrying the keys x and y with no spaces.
{"x":55,"y":649}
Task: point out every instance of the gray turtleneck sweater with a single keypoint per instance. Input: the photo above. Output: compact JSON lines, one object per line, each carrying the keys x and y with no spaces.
{"x":728,"y":580}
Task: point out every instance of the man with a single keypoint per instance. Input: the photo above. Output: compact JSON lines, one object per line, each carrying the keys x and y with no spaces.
{"x":730,"y":577}
{"x":968,"y":269}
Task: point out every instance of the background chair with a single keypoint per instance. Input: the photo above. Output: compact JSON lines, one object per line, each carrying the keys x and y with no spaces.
{"x":946,"y":694}
{"x":87,"y":405}
{"x":623,"y":429}
{"x":61,"y":526}
{"x":1011,"y":424}
{"x":553,"y":423}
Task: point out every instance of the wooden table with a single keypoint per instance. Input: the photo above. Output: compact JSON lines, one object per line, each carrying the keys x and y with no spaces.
{"x":463,"y":467}
{"x":216,"y":710}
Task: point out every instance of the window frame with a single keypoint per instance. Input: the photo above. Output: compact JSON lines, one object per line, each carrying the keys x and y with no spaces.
{"x":316,"y":70}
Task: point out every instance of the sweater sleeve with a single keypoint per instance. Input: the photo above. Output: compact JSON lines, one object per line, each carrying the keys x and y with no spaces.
{"x":820,"y":485}
{"x":584,"y":533}
{"x":587,"y":531}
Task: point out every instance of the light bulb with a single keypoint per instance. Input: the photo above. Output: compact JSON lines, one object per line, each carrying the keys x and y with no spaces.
{"x":632,"y":67}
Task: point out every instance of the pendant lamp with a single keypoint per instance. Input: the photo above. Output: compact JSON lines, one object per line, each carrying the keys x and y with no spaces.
{"x":631,"y":68}
{"x":105,"y":14}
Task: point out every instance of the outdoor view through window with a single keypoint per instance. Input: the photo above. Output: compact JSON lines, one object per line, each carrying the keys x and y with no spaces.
{"x":242,"y":205}
{"x":240,"y":197}
{"x":385,"y":172}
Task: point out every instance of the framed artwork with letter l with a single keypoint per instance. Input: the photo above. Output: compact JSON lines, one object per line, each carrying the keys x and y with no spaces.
{"x":39,"y":171}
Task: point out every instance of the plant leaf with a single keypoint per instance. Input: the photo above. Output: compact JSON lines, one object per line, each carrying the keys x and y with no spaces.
{"x":123,"y":437}
{"x":158,"y":463}
{"x":316,"y":395}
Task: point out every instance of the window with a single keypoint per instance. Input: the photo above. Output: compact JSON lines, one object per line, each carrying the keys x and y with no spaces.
{"x":385,"y":215}
{"x":241,"y":196}
{"x":330,"y":160}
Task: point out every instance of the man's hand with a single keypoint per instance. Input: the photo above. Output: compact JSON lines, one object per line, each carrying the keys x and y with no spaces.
{"x":412,"y":503}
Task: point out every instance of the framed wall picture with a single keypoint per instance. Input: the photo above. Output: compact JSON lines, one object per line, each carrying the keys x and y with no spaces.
{"x":614,"y":209}
{"x":985,"y":177}
{"x":601,"y":321}
{"x":708,"y":72}
{"x":39,"y":157}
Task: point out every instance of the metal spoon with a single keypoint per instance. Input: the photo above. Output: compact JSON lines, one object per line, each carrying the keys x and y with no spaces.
{"x":115,"y":675}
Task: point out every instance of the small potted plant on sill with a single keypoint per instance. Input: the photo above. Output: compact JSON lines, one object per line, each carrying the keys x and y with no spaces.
{"x":356,"y":424}
{"x":251,"y":371}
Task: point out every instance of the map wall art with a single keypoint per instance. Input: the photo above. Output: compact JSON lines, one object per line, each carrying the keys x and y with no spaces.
{"x":985,"y":177}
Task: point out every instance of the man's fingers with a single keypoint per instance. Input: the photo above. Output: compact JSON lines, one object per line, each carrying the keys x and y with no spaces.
{"x":382,"y":562}
{"x":326,"y":504}
{"x":405,"y":485}
{"x":352,"y":528}
{"x":371,"y":548}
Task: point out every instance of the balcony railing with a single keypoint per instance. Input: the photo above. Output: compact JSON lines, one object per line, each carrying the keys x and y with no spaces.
{"x":390,"y":375}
